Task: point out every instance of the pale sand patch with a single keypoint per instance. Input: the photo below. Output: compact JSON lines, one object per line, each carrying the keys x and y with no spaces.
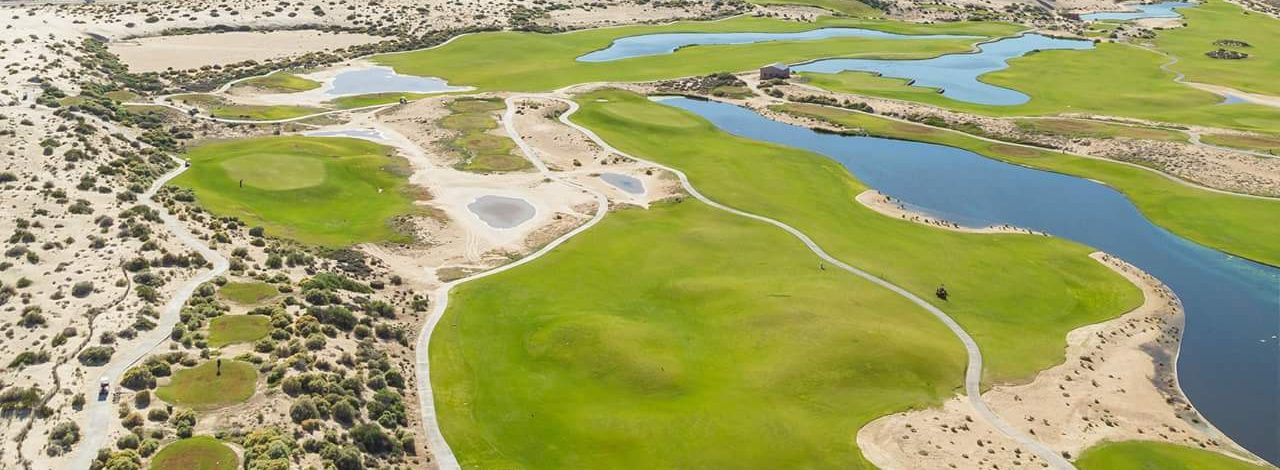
{"x":888,"y":206}
{"x":1118,"y":383}
{"x":159,"y":53}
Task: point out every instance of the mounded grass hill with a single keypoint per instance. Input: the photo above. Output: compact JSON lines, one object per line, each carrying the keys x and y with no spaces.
{"x":318,"y":190}
{"x":282,"y":82}
{"x":228,"y":329}
{"x":195,"y":453}
{"x":1141,"y":455}
{"x":816,"y":195}
{"x":721,"y":344}
{"x":203,"y":388}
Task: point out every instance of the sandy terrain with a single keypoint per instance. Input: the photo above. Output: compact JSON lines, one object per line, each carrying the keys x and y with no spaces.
{"x":1117,"y":383}
{"x":891,"y":207}
{"x":158,"y":53}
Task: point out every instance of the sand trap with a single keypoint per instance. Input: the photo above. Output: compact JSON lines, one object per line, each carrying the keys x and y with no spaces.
{"x":502,"y":212}
{"x":158,"y":53}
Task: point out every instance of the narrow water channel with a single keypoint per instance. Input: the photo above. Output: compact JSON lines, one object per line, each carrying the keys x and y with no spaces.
{"x":1229,"y":365}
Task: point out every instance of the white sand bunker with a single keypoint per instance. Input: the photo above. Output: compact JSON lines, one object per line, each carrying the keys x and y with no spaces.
{"x":502,"y":212}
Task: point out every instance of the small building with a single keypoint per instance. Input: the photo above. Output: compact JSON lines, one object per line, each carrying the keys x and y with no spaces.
{"x":777,"y":70}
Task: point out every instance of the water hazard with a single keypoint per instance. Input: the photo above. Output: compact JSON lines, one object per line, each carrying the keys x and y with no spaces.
{"x":1140,"y":11}
{"x":502,"y":211}
{"x":379,"y":79}
{"x":1229,"y":365}
{"x":667,"y":43}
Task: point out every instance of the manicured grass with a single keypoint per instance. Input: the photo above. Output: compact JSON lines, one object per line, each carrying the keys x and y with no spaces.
{"x":247,"y":293}
{"x":680,"y":337}
{"x":990,"y":276}
{"x":1226,"y":222}
{"x":477,"y":146}
{"x":1257,"y":143}
{"x":519,"y":61}
{"x":1099,"y":129}
{"x":1143,"y":455}
{"x":373,"y":99}
{"x":1215,"y":20}
{"x":220,"y":108}
{"x":281,"y":82}
{"x":868,"y":83}
{"x":195,"y":453}
{"x":1066,"y":81}
{"x":202,"y":388}
{"x":228,"y":329}
{"x":318,"y":190}
{"x":848,"y":7}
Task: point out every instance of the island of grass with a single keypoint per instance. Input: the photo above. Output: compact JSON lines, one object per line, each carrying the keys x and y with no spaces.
{"x":721,"y":344}
{"x":1144,"y":455}
{"x":327,"y":191}
{"x":203,"y":388}
{"x":221,"y":108}
{"x":195,"y":453}
{"x":230,"y":329}
{"x":1097,"y":129}
{"x":247,"y":293}
{"x":374,"y":99}
{"x":477,"y":145}
{"x":522,"y":61}
{"x":281,"y":82}
{"x":817,"y":196}
{"x":1226,"y":222}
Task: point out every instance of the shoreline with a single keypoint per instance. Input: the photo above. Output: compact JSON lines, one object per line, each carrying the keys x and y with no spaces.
{"x":890,"y":207}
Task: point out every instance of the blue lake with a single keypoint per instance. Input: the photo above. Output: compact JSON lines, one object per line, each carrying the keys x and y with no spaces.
{"x":1154,"y":10}
{"x":623,"y":182}
{"x":956,"y":74}
{"x":380,"y":79}
{"x":1229,"y":365}
{"x":667,"y":43}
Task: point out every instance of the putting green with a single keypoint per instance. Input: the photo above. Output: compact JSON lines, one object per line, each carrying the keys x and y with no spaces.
{"x":247,"y":293}
{"x":1142,"y":455}
{"x":229,"y":329}
{"x":195,"y":453}
{"x":203,"y":388}
{"x":317,"y":190}
{"x":816,"y":195}
{"x":520,"y":61}
{"x":721,"y":344}
{"x":1222,"y":221}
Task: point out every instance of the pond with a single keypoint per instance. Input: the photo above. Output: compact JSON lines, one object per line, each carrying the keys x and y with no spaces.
{"x":956,"y":74}
{"x":626,"y":183}
{"x":1140,"y":11}
{"x":1229,"y":365}
{"x":667,"y":43}
{"x":502,"y":212}
{"x":380,"y":79}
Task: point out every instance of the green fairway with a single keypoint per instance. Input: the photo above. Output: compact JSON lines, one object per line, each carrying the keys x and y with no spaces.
{"x":680,"y":337}
{"x":1214,"y":21}
{"x":247,"y":293}
{"x":318,"y":190}
{"x":993,"y":274}
{"x":281,"y":82}
{"x":221,"y":108}
{"x":1142,"y":455}
{"x":195,"y":453}
{"x":228,"y":329}
{"x":520,"y":61}
{"x":1098,"y":129}
{"x":1257,"y":143}
{"x":1226,"y":222}
{"x":476,"y":146}
{"x":847,"y":7}
{"x":1066,"y":81}
{"x":203,"y":388}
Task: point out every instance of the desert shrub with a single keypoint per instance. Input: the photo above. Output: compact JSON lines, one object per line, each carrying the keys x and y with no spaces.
{"x":96,"y":355}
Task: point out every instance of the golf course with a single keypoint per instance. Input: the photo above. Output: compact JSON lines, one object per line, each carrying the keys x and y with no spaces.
{"x":195,"y":453}
{"x":207,"y":386}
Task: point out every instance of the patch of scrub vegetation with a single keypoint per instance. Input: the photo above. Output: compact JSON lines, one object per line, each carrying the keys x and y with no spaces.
{"x":247,"y":293}
{"x":521,"y":61}
{"x":221,"y":108}
{"x":229,"y":329}
{"x":1220,"y":25}
{"x":204,"y":387}
{"x":195,"y":453}
{"x":1144,"y":455}
{"x":1257,"y":143}
{"x":844,"y":7}
{"x":1222,"y":221}
{"x":734,"y":354}
{"x":816,"y":195}
{"x":477,"y":145}
{"x":318,"y":190}
{"x":1063,"y":81}
{"x":281,"y":82}
{"x":1098,"y":129}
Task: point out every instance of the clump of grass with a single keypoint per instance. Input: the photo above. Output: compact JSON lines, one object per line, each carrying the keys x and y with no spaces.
{"x":476,"y":145}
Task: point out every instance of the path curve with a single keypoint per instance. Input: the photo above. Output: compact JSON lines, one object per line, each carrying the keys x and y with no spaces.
{"x":96,"y":425}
